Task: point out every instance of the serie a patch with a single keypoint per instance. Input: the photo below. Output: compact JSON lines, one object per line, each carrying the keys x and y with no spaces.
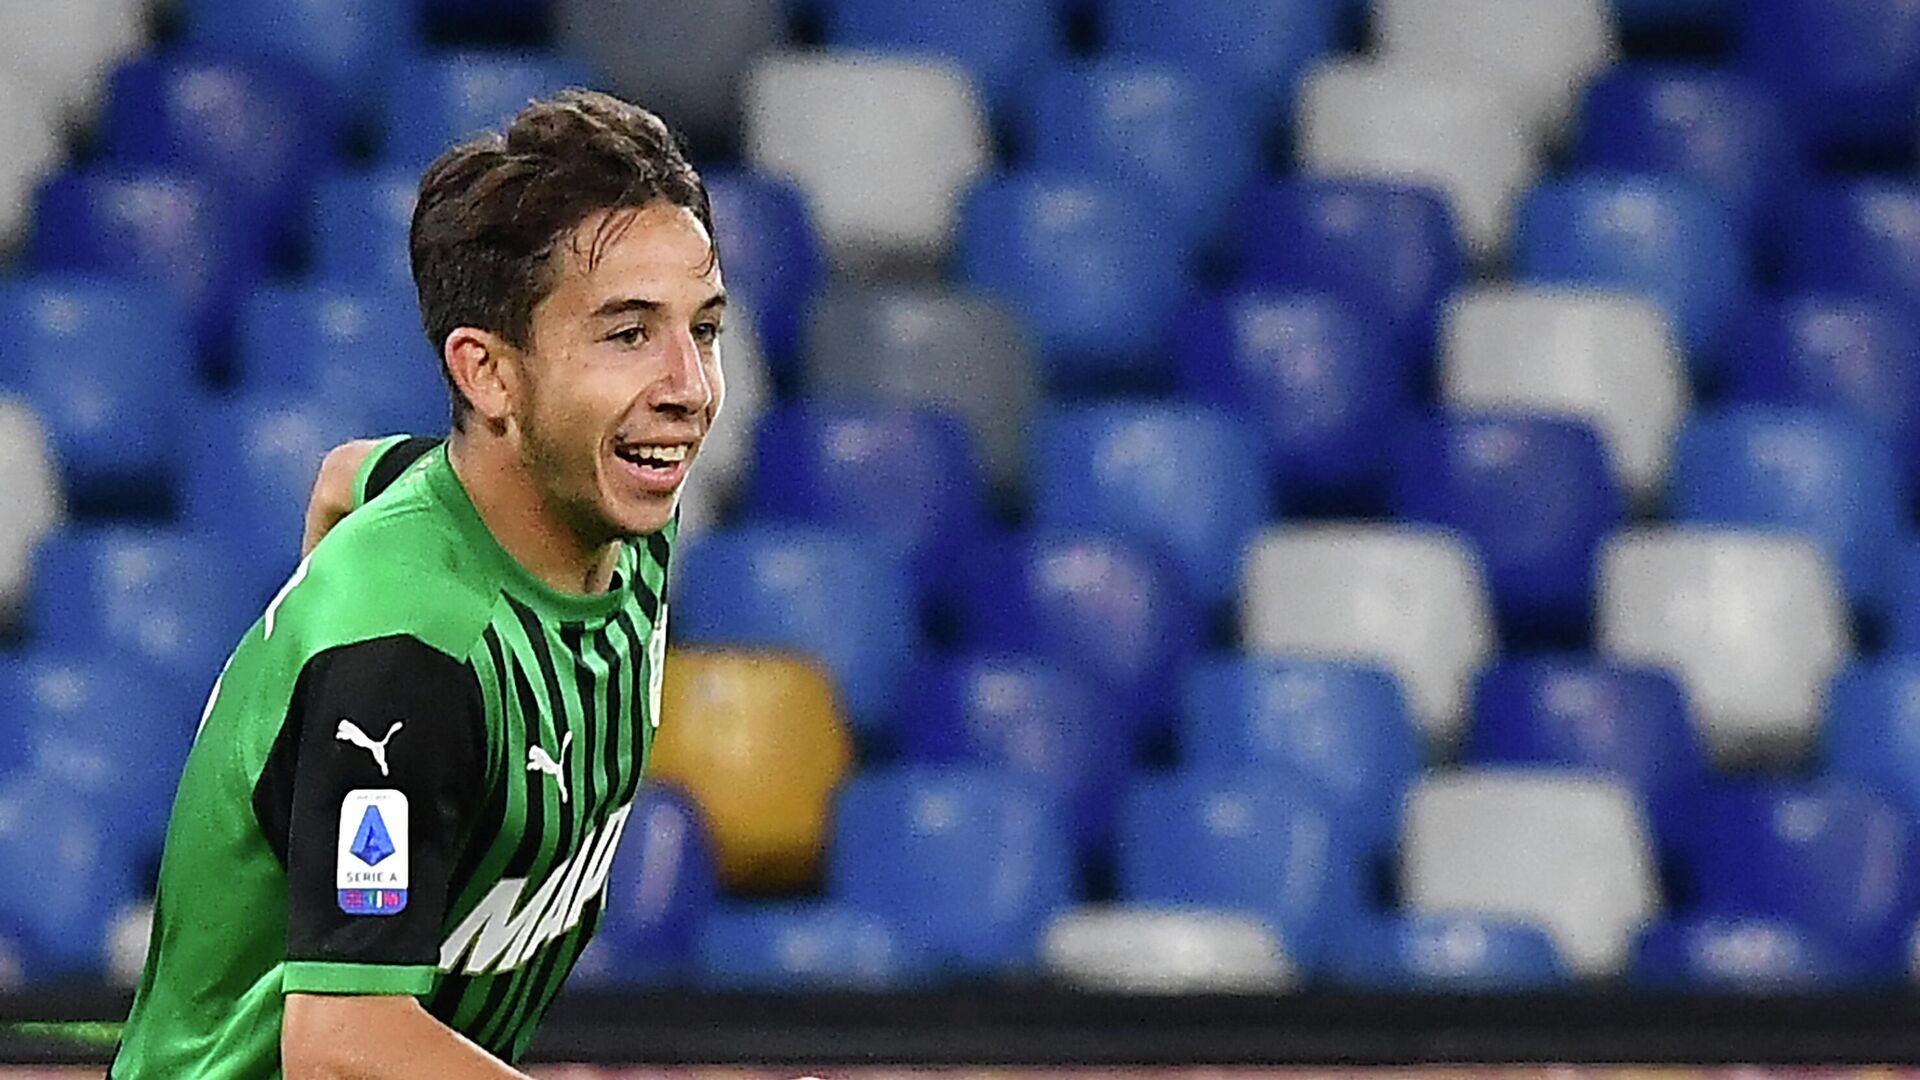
{"x":370,"y":875}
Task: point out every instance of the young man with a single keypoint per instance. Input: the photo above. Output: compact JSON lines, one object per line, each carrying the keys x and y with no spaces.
{"x":393,"y":834}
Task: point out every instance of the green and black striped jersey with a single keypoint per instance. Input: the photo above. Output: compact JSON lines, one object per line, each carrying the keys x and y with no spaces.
{"x":410,"y":778}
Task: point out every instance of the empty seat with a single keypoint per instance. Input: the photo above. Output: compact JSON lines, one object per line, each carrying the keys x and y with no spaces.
{"x":34,"y":503}
{"x":1370,"y":119}
{"x":1599,"y":357}
{"x":882,"y":145}
{"x":769,"y":253}
{"x":1124,"y":948}
{"x":1567,"y":850}
{"x":66,"y":882}
{"x":659,"y":892}
{"x":1262,"y":47}
{"x":1656,"y":237}
{"x":1541,"y":52}
{"x":1127,"y":469}
{"x":360,"y":346}
{"x":58,"y":54}
{"x":1449,"y":953}
{"x":1341,"y":727}
{"x":1857,"y":236}
{"x":1001,"y":43}
{"x":1090,"y":266}
{"x":801,"y":945}
{"x":359,"y":227}
{"x":1660,"y":15}
{"x":970,"y":862}
{"x":1870,"y":728}
{"x":452,"y":96}
{"x":1390,"y":249}
{"x":1266,"y":846}
{"x":1311,"y":372}
{"x":1753,"y":622}
{"x":1747,"y":955}
{"x":758,"y":741}
{"x":1848,"y":70}
{"x":30,"y":130}
{"x":957,"y":350}
{"x":354,"y":47}
{"x":1534,"y":493}
{"x":1410,"y":598}
{"x":1821,"y":475}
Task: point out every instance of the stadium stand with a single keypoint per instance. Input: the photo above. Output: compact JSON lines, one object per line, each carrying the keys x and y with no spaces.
{"x":1540,"y":52}
{"x":1138,"y":949}
{"x":1449,"y":954}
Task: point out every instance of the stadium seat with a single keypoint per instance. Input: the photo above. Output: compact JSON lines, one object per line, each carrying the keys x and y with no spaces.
{"x":1719,"y":129}
{"x":769,"y":253}
{"x":758,"y":741}
{"x":1626,"y":720}
{"x":1466,"y":137}
{"x":1540,"y":52}
{"x":903,"y":476}
{"x":968,"y":861}
{"x":1819,"y":474}
{"x":882,"y":145}
{"x":1111,"y":610}
{"x":1313,"y":375}
{"x":1604,"y":358}
{"x":1752,"y":621}
{"x":1848,"y":70}
{"x":1654,"y":16}
{"x":58,"y":53}
{"x":959,"y":351}
{"x":1857,"y":236}
{"x":1134,"y":949}
{"x":1342,"y":728}
{"x":1001,"y":43}
{"x":359,"y":227}
{"x":1658,"y":237}
{"x":1150,"y":124}
{"x":1263,"y":47}
{"x":1388,"y":248}
{"x":1450,"y":953}
{"x":1870,"y":728}
{"x":1850,"y":354}
{"x":1096,"y":274}
{"x":360,"y":346}
{"x":1130,"y":469}
{"x":1410,"y":598}
{"x":163,"y":228}
{"x":30,"y":130}
{"x":353,"y":47}
{"x":65,"y":880}
{"x":452,"y":96}
{"x":1743,"y":955}
{"x":806,"y":945}
{"x":1568,"y":850}
{"x":1263,"y":845}
{"x":34,"y":503}
{"x":1534,"y":493}
{"x":663,"y":883}
{"x":1024,"y":714}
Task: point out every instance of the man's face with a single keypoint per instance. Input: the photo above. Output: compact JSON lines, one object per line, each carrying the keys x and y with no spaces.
{"x":622,"y":374}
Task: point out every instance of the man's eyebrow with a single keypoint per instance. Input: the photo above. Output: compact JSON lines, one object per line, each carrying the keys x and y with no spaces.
{"x":630,"y":304}
{"x":717,"y":300}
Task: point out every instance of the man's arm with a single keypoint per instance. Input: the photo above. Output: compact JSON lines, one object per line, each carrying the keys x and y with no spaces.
{"x":332,"y":497}
{"x":327,"y":1037}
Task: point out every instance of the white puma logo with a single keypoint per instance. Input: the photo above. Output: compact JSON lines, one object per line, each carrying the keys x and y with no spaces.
{"x":350,"y":732}
{"x":538,"y":761}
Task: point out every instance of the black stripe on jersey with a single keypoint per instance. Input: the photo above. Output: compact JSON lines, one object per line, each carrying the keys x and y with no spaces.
{"x":658,"y":547}
{"x":610,"y":745}
{"x":395,"y":461}
{"x":632,"y":730}
{"x":556,"y":709}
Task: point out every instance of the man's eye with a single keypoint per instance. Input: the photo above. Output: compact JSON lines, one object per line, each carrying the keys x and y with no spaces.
{"x":707,"y":332}
{"x":632,"y":335}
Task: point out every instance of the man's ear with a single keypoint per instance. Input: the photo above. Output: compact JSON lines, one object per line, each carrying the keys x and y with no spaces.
{"x":486,"y":368}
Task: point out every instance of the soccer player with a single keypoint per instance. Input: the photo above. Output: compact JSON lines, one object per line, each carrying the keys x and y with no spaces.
{"x":392,"y":837}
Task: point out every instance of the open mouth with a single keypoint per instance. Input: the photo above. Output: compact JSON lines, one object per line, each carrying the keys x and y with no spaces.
{"x":657,"y":468}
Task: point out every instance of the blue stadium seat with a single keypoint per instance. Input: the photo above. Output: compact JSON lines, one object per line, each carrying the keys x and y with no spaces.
{"x":1097,"y":271}
{"x":1818,"y":473}
{"x":359,"y":229}
{"x":999,"y":42}
{"x":1316,"y":378}
{"x":1903,"y":600}
{"x":1657,"y":236}
{"x":1448,"y":954}
{"x":93,"y":355}
{"x":452,"y":96}
{"x":1027,"y":715}
{"x":1573,"y":712}
{"x":1870,"y":727}
{"x":971,"y":861}
{"x":1152,"y":124}
{"x":65,"y":878}
{"x":1857,"y":236}
{"x":1668,"y":15}
{"x":904,"y":476}
{"x":806,"y":945}
{"x":165,"y":228}
{"x":1341,"y":727}
{"x":830,"y":594}
{"x":770,"y":253}
{"x":1263,"y":47}
{"x":1265,"y":845}
{"x":1846,"y":353}
{"x":1718,"y":954}
{"x":360,"y":346}
{"x":352,"y":46}
{"x":1534,"y":493}
{"x":1111,"y":610}
{"x":1389,"y":248}
{"x":661,"y":888}
{"x":1131,"y":469}
{"x":1848,"y":70}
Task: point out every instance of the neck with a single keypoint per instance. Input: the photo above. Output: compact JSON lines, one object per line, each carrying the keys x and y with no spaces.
{"x":524,"y":521}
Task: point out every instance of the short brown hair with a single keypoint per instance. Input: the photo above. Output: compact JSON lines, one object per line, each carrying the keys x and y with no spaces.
{"x":492,"y":211}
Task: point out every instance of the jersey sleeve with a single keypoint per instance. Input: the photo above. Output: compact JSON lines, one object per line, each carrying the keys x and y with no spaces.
{"x":388,"y":459}
{"x":388,"y":769}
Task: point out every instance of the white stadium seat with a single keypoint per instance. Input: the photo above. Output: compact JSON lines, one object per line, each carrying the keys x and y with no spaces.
{"x":1363,"y":118}
{"x":60,"y":52}
{"x":882,"y":145}
{"x":1753,"y":622}
{"x":1597,"y":356}
{"x":1541,"y":51}
{"x":30,"y":490}
{"x":1565,"y":849}
{"x":30,"y":131}
{"x":1411,"y":598}
{"x":1131,"y":949}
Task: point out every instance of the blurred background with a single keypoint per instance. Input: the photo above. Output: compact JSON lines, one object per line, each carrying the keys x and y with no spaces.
{"x":1270,"y":497}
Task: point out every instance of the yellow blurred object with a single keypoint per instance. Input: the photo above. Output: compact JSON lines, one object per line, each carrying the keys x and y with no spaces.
{"x":757,"y":740}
